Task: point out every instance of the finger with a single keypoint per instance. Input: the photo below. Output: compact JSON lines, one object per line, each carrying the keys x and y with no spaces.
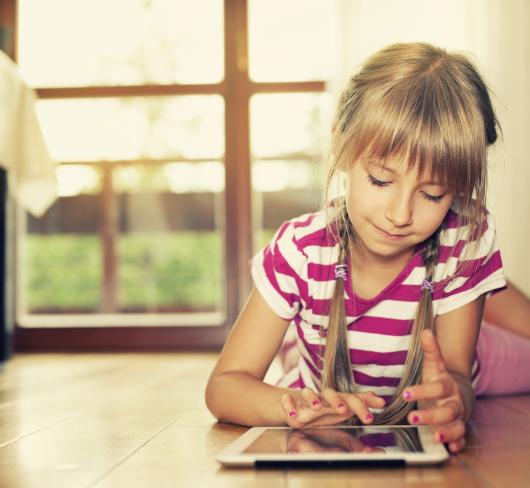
{"x":359,"y":407}
{"x":432,"y":355}
{"x":323,"y":420}
{"x":431,"y":390}
{"x":372,"y":400}
{"x":334,"y":400}
{"x":451,"y":432}
{"x":311,"y":398}
{"x":288,"y":405}
{"x":457,"y":446}
{"x":443,"y":414}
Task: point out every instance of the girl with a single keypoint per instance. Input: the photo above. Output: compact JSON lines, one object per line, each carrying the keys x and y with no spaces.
{"x":385,"y":286}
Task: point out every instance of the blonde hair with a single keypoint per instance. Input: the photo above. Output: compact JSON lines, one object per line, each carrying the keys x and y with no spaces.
{"x":420,"y":104}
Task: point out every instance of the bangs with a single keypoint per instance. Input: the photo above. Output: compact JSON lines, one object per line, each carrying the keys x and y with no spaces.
{"x":429,"y":130}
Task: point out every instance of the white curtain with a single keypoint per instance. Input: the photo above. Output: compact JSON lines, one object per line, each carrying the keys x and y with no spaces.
{"x":495,"y":35}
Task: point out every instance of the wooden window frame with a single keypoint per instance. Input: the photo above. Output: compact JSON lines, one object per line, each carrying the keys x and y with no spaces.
{"x":236,"y":88}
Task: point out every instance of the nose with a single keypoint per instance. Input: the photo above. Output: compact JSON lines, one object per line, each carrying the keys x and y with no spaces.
{"x":399,"y":210}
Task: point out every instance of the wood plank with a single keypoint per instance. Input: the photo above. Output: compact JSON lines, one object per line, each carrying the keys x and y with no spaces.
{"x":73,"y":428}
{"x":139,"y":419}
{"x":521,"y":403}
{"x":184,"y":456}
{"x":496,"y":424}
{"x":499,"y":466}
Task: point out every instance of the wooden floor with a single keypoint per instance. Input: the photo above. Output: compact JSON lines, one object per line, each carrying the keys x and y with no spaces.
{"x":127,"y":420}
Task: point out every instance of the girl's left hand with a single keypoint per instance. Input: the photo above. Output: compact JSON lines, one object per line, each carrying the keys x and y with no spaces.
{"x":441,"y":404}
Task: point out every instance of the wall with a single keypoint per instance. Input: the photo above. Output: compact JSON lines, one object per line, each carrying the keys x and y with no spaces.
{"x":495,"y":34}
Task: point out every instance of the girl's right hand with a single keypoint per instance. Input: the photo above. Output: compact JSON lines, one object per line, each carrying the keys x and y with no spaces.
{"x":308,"y":409}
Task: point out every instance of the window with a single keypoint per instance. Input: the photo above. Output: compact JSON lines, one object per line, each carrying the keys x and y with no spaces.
{"x":166,"y":133}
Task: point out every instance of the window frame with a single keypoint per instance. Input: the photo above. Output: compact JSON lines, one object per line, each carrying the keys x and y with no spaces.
{"x":195,"y":331}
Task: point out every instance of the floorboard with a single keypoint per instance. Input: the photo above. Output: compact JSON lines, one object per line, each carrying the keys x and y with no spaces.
{"x":107,"y":420}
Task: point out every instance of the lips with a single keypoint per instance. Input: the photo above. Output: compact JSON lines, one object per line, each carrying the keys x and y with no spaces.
{"x":390,"y":234}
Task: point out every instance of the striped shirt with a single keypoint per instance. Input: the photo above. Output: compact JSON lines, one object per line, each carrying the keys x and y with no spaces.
{"x":295,"y":275}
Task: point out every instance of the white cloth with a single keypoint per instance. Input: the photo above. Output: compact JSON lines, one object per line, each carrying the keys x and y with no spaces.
{"x":23,"y":152}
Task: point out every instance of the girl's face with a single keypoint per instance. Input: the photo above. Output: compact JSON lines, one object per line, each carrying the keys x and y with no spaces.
{"x":393,"y":209}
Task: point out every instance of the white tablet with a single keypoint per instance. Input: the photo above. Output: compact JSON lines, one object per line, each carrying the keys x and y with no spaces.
{"x":337,"y":446}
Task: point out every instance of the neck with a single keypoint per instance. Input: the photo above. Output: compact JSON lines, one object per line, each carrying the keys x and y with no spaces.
{"x":362,"y":259}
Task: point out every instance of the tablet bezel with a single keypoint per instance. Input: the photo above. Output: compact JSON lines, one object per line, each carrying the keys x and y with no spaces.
{"x":233,"y":454}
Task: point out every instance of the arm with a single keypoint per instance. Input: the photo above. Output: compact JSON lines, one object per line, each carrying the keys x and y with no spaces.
{"x":445,"y":396}
{"x":457,"y":335}
{"x":514,"y":300}
{"x":235,"y":391}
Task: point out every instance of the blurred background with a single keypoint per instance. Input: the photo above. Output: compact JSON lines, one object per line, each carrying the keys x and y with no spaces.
{"x":185,"y":132}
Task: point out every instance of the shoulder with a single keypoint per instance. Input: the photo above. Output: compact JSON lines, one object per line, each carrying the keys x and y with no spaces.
{"x":281,"y":269}
{"x":306,"y":231}
{"x":464,"y":238}
{"x":469,"y":262}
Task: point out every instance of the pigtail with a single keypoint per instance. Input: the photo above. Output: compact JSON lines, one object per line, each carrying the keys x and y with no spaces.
{"x":337,"y":371}
{"x":398,"y":408}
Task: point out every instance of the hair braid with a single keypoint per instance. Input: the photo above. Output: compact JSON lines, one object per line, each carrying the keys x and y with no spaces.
{"x":337,"y":373}
{"x":398,"y":408}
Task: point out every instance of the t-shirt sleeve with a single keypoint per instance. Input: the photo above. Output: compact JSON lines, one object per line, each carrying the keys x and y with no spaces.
{"x":481,"y":273}
{"x":278,"y":271}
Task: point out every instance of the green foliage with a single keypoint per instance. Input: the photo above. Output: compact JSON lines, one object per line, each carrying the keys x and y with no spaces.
{"x":183,"y":269}
{"x":62,"y":271}
{"x":180,"y":270}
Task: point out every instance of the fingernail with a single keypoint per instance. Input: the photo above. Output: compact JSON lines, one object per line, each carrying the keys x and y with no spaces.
{"x":316,"y":403}
{"x":340,"y":405}
{"x":407,"y":395}
{"x":369,"y":417}
{"x":441,"y":437}
{"x":292,"y":413}
{"x":415,"y":419}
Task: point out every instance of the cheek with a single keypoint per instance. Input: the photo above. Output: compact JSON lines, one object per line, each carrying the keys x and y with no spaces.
{"x":365,"y":198}
{"x":360,"y":205}
{"x":429,"y":219}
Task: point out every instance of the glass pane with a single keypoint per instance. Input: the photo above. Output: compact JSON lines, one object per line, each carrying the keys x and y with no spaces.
{"x":120,"y":42}
{"x":170,"y":246}
{"x":290,"y":41}
{"x":61,"y":252}
{"x":301,"y":129}
{"x":282,"y":190}
{"x":287,"y":165}
{"x":134,"y":128}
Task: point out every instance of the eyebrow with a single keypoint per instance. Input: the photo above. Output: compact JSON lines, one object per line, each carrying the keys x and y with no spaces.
{"x":391,"y":170}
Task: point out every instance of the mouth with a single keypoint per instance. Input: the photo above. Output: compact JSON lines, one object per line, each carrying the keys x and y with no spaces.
{"x":389,"y":235}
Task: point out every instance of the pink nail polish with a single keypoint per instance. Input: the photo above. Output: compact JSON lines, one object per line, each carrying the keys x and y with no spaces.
{"x":407,"y":395}
{"x":292,"y":413}
{"x":316,"y":403}
{"x":415,"y":419}
{"x":369,"y":417}
{"x":441,"y":437}
{"x":340,"y":405}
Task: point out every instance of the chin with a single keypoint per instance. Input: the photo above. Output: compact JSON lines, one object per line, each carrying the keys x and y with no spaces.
{"x":391,"y":250}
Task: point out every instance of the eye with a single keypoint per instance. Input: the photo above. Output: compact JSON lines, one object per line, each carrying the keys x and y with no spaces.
{"x":376,"y":182}
{"x":433,"y":198}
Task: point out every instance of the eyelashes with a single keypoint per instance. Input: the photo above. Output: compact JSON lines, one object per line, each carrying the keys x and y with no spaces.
{"x":432,"y":198}
{"x":377,"y":182}
{"x":381,"y":183}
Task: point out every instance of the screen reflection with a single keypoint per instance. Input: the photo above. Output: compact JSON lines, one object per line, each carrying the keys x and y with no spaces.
{"x":340,"y":440}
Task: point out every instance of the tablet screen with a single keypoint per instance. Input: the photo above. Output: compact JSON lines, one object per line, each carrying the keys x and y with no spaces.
{"x":343,"y":440}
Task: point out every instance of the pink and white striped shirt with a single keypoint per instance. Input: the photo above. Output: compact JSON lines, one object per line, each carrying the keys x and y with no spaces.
{"x":295,"y":275}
